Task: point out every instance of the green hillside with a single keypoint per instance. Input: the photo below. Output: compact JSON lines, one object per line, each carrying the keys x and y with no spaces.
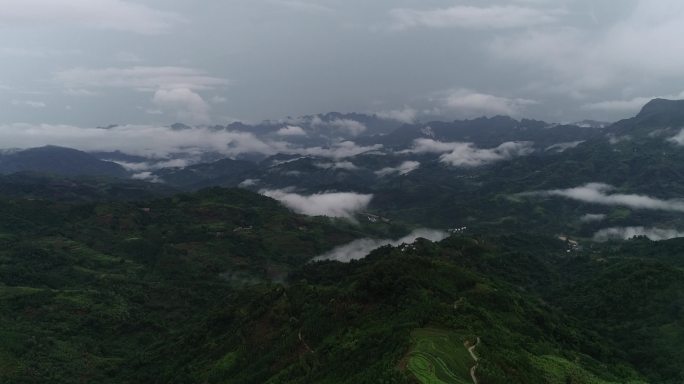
{"x":215,"y":287}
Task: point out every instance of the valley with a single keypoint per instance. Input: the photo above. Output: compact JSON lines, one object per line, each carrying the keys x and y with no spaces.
{"x":509,"y":271}
{"x":341,"y":192}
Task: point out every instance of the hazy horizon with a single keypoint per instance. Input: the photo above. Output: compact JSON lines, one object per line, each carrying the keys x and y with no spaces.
{"x":157,"y":62}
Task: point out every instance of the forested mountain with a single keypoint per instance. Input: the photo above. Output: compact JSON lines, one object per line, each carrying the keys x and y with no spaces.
{"x":215,"y":287}
{"x":490,"y":250}
{"x":58,"y":161}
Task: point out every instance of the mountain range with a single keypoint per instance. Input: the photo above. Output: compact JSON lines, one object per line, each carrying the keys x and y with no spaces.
{"x":347,"y":248}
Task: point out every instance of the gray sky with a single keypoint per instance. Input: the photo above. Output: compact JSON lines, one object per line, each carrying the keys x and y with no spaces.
{"x":98,"y":62}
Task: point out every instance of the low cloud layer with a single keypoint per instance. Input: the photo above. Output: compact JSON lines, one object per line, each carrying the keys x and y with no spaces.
{"x":331,"y":204}
{"x":248,"y":183}
{"x":599,"y":193}
{"x":291,"y":130}
{"x":468,"y":155}
{"x":337,"y":151}
{"x":348,"y":126}
{"x":471,"y":103}
{"x":406,"y":115}
{"x":403,"y":169}
{"x":142,"y":140}
{"x":625,"y":233}
{"x":593,"y":217}
{"x":159,"y":142}
{"x":147,"y":176}
{"x":678,"y":138}
{"x":345,"y":165}
{"x":358,"y":249}
{"x":154,"y":165}
{"x":562,"y":147}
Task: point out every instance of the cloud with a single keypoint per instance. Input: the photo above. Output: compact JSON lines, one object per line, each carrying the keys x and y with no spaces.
{"x":276,"y":162}
{"x":337,"y":151}
{"x":332,"y":204}
{"x":562,"y":147}
{"x":631,"y":106}
{"x":79,"y":92}
{"x":175,"y":88}
{"x":626,"y":233}
{"x":678,"y":138}
{"x":593,"y":217}
{"x":346,"y":165}
{"x":467,"y":155}
{"x":403,"y":169}
{"x":127,"y":57}
{"x":187,"y":105}
{"x":291,"y":130}
{"x":29,"y":103}
{"x":598,"y":193}
{"x":433,"y":146}
{"x":474,"y":103}
{"x":627,"y":106}
{"x":472,"y":17}
{"x":158,"y":142}
{"x":146,"y":166}
{"x":117,"y":15}
{"x":406,"y":115}
{"x":358,"y":249}
{"x":352,"y":127}
{"x":303,"y":6}
{"x":147,"y":176}
{"x":218,"y":100}
{"x":579,"y":59}
{"x":612,"y":139}
{"x":248,"y":183}
{"x":349,"y":126}
{"x":141,"y":78}
{"x":143,"y":140}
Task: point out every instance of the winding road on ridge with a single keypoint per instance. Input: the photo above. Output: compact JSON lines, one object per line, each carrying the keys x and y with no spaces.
{"x":471,"y":350}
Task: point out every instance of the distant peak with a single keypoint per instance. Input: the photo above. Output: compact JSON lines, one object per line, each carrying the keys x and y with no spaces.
{"x":662,"y":106}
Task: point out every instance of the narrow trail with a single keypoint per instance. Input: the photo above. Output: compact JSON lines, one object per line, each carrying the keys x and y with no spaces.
{"x":471,"y":350}
{"x":301,"y":339}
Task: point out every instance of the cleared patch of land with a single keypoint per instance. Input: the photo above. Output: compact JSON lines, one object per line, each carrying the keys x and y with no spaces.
{"x":559,"y":370}
{"x":438,"y":357}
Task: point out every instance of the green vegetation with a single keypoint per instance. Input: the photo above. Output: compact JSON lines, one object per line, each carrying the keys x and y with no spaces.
{"x":216,"y":287}
{"x":558,"y":370}
{"x":439,"y":356}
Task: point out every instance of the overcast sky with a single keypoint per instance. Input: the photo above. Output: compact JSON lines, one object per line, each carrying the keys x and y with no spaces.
{"x":100,"y":62}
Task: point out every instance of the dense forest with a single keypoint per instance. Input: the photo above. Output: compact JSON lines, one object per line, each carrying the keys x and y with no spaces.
{"x":217,"y":286}
{"x":341,"y":192}
{"x":560,"y":263}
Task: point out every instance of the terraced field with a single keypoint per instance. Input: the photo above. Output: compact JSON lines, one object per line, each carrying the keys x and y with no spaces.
{"x":439,"y":357}
{"x":558,"y":370}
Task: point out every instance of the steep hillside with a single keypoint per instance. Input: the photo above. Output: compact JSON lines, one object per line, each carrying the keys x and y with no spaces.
{"x":58,"y":161}
{"x":216,"y":287}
